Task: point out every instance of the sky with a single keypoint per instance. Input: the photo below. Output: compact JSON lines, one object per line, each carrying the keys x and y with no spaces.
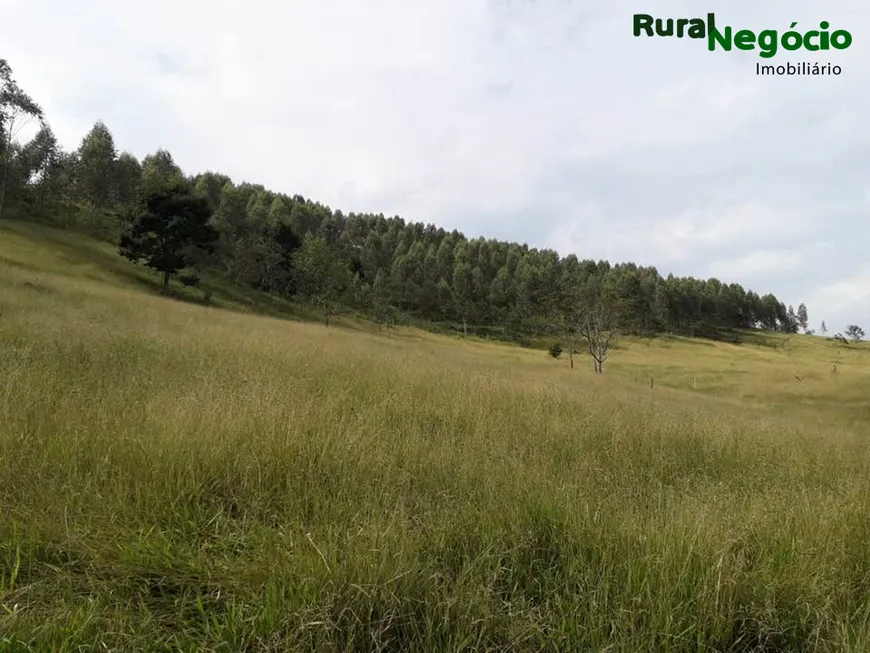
{"x":538,"y":121}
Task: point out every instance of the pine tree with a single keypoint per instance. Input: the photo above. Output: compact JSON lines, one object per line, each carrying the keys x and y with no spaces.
{"x":173,"y":224}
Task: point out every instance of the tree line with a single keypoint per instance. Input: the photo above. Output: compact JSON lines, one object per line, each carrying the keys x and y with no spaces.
{"x":387,"y":267}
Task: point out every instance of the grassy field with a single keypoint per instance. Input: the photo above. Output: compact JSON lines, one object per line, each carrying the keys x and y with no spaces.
{"x":176,"y":477}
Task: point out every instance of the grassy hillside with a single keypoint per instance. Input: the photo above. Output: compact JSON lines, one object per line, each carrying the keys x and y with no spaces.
{"x":176,"y":477}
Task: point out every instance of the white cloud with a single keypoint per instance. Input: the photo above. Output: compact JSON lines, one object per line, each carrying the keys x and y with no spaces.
{"x":845,"y":301}
{"x":773,"y":262}
{"x":744,"y":224}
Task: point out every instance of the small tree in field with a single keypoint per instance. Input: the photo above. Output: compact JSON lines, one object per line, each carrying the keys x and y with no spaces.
{"x":321,"y":275}
{"x":597,"y":329}
{"x":854,"y":332}
{"x":803,"y":318}
{"x":569,"y":333}
{"x":169,"y":232}
{"x":384,"y":312}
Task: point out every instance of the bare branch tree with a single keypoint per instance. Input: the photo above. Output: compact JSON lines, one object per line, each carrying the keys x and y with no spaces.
{"x":568,"y":333}
{"x":596,"y":327}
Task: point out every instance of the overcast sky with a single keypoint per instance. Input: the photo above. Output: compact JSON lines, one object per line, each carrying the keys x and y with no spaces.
{"x":542,"y":121}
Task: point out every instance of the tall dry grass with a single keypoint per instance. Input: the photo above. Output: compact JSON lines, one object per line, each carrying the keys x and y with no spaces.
{"x":181,"y":478}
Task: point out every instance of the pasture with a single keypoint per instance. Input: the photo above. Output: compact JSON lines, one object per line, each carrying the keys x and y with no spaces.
{"x":181,"y":477}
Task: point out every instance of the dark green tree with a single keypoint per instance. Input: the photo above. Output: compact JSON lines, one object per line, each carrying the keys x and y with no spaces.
{"x":854,"y":332}
{"x":170,"y":232}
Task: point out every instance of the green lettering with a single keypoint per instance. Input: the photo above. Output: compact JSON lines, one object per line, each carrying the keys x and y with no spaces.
{"x":643,"y":22}
{"x":715,"y":36}
{"x":744,"y":40}
{"x":681,"y":26}
{"x":841,"y":39}
{"x":825,"y":37}
{"x":697,"y":29}
{"x":665,"y":28}
{"x":768,"y":42}
{"x":792,"y":40}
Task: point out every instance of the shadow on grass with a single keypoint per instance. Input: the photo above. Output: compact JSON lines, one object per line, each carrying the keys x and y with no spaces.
{"x":82,"y":250}
{"x":762,"y":339}
{"x":669,"y":339}
{"x":20,"y":265}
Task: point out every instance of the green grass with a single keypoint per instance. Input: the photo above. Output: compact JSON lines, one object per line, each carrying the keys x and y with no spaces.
{"x":176,"y":477}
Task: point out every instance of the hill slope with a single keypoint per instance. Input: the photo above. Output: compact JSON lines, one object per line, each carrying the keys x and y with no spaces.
{"x":179,"y":477}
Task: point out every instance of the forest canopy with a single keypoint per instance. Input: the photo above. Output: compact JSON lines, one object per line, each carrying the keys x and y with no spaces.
{"x":289,"y":245}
